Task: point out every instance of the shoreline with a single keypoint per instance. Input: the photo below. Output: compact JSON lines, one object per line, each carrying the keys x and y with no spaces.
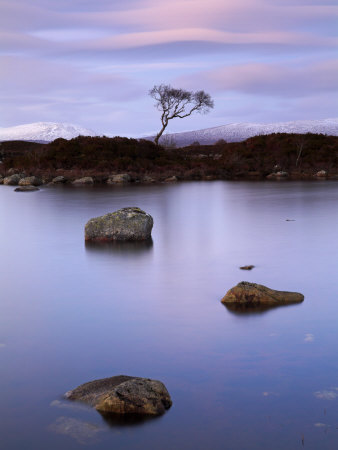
{"x":88,"y":179}
{"x":93,"y":160}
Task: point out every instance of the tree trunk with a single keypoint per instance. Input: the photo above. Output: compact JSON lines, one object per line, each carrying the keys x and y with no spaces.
{"x":160,"y":133}
{"x":300,"y":150}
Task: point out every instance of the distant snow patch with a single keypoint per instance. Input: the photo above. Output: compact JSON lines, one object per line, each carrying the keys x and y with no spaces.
{"x":43,"y":131}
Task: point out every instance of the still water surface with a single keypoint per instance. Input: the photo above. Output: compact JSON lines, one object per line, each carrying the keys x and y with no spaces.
{"x":72,"y":312}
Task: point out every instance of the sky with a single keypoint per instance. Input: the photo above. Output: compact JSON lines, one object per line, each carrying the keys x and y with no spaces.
{"x":93,"y":63}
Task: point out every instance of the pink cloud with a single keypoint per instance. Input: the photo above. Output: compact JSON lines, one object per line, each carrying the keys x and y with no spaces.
{"x":269,"y":79}
{"x":132,"y":40}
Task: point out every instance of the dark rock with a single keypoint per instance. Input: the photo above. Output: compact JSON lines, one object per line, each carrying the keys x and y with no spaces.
{"x":126,"y":224}
{"x":124,"y":395}
{"x":171,"y":179}
{"x":256,"y":294}
{"x":250,"y":267}
{"x":26,"y":189}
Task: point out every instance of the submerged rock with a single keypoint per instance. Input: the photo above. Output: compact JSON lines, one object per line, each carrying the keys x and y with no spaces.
{"x":83,"y":432}
{"x":126,"y":224}
{"x":257,"y":294}
{"x":249,"y":267}
{"x":84,"y":180}
{"x":26,"y":189}
{"x":124,"y":395}
{"x":30,"y":181}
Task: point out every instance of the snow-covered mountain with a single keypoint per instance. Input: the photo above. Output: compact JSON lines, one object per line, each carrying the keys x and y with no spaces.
{"x":236,"y":132}
{"x":43,"y":131}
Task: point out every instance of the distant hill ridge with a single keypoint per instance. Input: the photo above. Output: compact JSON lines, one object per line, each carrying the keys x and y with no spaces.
{"x":237,"y":132}
{"x":234,"y":132}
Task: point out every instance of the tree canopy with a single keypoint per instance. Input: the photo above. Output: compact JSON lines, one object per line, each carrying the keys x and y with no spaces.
{"x":173,"y":103}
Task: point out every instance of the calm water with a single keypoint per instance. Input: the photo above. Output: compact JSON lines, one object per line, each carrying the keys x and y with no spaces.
{"x":71,"y":313}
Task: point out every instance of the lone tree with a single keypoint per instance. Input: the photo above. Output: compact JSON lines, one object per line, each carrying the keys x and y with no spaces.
{"x":178,"y":103}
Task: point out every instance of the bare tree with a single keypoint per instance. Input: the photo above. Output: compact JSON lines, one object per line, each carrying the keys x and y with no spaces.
{"x":178,"y":103}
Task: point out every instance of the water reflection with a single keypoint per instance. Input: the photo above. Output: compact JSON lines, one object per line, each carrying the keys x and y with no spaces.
{"x":127,"y":420}
{"x":83,"y":312}
{"x":244,"y":309}
{"x":120,"y":248}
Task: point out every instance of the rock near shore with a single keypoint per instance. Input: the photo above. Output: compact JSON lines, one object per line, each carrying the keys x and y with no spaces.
{"x":257,"y":294}
{"x":12,"y":180}
{"x":126,"y":224}
{"x":119,"y":178}
{"x":30,"y":181}
{"x":83,"y":180}
{"x":124,"y":395}
{"x":60,"y":179}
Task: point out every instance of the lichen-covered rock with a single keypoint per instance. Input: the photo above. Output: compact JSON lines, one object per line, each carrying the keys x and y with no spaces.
{"x":12,"y":180}
{"x":119,"y":178}
{"x":126,"y":224}
{"x":257,"y":294}
{"x":84,"y":180}
{"x":124,"y":395}
{"x":26,"y":189}
{"x":30,"y":181}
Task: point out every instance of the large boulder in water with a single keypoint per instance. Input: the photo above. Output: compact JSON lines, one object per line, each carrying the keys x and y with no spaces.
{"x":257,"y":294}
{"x":126,"y":224}
{"x":124,"y":395}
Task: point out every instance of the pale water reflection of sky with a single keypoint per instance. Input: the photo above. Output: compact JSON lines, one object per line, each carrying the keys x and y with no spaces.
{"x":94,"y":62}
